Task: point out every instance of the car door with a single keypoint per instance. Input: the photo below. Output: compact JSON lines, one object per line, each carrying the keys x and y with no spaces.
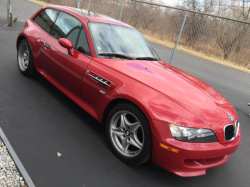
{"x":65,"y":69}
{"x":44,"y":21}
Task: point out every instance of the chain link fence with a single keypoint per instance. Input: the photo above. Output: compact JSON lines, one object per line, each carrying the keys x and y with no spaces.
{"x":213,"y":48}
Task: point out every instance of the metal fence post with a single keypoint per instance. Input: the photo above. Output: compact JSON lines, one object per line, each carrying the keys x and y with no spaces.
{"x":78,"y":3}
{"x":8,"y":11}
{"x":183,"y":23}
{"x":120,"y":16}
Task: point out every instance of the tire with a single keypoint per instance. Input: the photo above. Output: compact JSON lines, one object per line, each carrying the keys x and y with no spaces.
{"x":129,"y":134}
{"x":24,"y":59}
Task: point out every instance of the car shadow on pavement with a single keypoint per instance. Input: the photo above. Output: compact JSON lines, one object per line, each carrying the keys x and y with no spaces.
{"x":71,"y":106}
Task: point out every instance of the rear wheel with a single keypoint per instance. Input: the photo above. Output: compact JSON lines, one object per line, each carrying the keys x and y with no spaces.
{"x":129,"y":134}
{"x":24,"y":58}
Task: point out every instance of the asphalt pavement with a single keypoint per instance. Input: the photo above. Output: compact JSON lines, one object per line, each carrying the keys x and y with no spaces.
{"x":40,"y":121}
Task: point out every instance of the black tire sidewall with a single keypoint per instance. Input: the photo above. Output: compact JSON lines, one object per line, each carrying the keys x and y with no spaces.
{"x":30,"y":71}
{"x":145,"y":153}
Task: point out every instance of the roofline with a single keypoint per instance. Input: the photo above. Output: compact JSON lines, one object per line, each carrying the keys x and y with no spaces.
{"x":106,"y":19}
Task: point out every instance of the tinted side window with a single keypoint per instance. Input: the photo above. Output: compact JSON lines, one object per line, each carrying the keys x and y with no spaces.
{"x":45,"y":19}
{"x":66,"y":26}
{"x":82,"y":44}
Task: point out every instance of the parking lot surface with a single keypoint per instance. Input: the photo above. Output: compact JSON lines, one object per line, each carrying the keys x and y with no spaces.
{"x":40,"y":121}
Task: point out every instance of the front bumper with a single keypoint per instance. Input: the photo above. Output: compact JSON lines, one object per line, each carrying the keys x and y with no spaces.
{"x":188,"y":159}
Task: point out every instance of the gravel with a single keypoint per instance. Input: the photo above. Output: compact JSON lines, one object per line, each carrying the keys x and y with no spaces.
{"x":9,"y":174}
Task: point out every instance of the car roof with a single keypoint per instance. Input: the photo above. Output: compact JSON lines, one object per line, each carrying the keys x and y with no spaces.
{"x":88,"y":15}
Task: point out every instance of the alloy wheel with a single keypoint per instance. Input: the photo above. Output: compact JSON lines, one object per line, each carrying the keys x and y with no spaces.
{"x":23,"y":56}
{"x":126,"y":133}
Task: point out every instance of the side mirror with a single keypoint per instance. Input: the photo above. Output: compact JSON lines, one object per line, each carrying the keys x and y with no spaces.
{"x":64,"y":42}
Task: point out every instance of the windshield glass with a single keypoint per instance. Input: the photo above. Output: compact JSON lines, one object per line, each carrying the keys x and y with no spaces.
{"x":115,"y":39}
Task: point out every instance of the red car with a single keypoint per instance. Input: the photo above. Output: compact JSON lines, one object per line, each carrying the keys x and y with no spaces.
{"x":152,"y":110}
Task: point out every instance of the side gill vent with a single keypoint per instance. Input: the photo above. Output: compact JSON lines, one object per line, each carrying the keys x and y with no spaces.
{"x":98,"y":79}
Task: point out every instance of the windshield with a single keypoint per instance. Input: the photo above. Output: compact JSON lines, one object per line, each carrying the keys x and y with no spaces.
{"x":114,"y":41}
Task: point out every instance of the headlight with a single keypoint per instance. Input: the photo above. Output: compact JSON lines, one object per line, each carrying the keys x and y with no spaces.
{"x":192,"y":134}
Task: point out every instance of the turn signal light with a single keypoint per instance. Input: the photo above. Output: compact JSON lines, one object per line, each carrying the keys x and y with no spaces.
{"x":169,"y":148}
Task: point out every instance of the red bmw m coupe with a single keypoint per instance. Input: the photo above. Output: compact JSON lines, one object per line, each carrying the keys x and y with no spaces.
{"x":151,"y":110}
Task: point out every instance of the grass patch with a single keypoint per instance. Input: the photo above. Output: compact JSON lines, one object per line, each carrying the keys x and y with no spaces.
{"x":39,"y":2}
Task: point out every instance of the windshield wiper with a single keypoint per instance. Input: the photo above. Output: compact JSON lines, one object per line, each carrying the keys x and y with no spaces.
{"x":146,"y":58}
{"x":116,"y":55}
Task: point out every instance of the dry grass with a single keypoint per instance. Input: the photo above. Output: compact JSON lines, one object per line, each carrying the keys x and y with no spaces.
{"x":39,"y":2}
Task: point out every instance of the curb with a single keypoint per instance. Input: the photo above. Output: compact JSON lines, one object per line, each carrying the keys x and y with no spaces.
{"x":16,"y":159}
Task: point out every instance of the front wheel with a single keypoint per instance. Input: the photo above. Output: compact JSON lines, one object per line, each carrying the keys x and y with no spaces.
{"x":129,"y":134}
{"x":24,"y":58}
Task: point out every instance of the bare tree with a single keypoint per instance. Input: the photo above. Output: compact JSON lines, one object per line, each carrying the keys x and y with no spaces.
{"x":231,"y":34}
{"x":195,"y":26}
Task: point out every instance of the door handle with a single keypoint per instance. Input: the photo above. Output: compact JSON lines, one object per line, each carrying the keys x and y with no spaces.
{"x":46,"y":45}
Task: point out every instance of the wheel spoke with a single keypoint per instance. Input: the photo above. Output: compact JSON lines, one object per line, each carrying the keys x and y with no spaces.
{"x":135,"y":142}
{"x":133,"y":126}
{"x":123,"y":123}
{"x":126,"y":148}
{"x":125,"y":144}
{"x":118,"y":132}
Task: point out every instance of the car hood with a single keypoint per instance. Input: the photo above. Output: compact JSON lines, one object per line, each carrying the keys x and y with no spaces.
{"x":186,"y":90}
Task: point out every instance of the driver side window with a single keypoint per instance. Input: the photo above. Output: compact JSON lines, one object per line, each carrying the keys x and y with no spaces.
{"x":66,"y":26}
{"x":82,"y":44}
